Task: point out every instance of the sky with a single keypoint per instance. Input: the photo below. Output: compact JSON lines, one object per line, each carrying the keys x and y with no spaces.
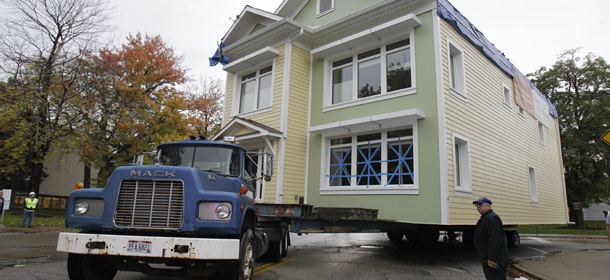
{"x":531,"y":33}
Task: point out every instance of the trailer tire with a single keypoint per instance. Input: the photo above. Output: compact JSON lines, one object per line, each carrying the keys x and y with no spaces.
{"x":395,"y":236}
{"x":75,"y":267}
{"x":513,"y":240}
{"x":244,"y":268}
{"x":431,"y":236}
{"x":97,"y":267}
{"x":468,"y":238}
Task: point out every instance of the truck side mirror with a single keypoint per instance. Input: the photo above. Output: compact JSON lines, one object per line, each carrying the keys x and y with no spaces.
{"x":268,"y":167}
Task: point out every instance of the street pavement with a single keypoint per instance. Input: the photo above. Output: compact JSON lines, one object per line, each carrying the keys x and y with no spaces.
{"x":30,"y":245}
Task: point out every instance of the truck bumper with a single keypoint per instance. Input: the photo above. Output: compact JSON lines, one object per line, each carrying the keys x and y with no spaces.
{"x":148,"y":246}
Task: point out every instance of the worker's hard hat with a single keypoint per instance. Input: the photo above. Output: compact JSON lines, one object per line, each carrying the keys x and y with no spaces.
{"x":32,"y":193}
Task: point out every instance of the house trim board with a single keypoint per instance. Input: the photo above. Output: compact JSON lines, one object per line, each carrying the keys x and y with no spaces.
{"x":442,"y":143}
{"x":283,"y":121}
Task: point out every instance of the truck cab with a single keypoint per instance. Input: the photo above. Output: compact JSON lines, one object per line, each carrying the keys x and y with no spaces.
{"x":191,"y":211}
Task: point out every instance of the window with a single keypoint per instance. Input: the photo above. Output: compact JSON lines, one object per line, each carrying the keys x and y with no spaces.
{"x":325,"y":6}
{"x":457,"y":78}
{"x":255,"y":90}
{"x":461,"y":161}
{"x":253,"y":162}
{"x":541,"y":133}
{"x":507,"y":96}
{"x":521,"y":112}
{"x":372,"y":161}
{"x":533,"y":187}
{"x":371,"y":73}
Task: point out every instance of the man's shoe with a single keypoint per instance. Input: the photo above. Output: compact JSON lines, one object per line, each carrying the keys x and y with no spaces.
{"x":29,"y":226}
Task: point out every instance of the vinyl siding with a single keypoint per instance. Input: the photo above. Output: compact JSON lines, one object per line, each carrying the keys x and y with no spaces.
{"x":296,"y":142}
{"x":502,"y":145}
{"x":269,"y":118}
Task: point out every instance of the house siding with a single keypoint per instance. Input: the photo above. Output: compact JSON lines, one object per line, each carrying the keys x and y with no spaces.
{"x":308,"y":15}
{"x":416,"y":208}
{"x":502,"y":146}
{"x":296,"y":141}
{"x":270,"y":118}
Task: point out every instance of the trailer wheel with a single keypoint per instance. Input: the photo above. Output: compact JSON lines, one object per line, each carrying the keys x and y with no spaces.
{"x":513,"y":240}
{"x":244,"y":268}
{"x":468,"y":238}
{"x":431,"y":236}
{"x":75,"y":267}
{"x":98,"y":268}
{"x":395,"y":236}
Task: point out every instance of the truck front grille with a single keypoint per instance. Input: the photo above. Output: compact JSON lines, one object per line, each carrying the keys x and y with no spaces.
{"x":156,"y":204}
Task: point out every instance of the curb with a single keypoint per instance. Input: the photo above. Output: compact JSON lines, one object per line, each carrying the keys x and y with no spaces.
{"x":523,"y":270}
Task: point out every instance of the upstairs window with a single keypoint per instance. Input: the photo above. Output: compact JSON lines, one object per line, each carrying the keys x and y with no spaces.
{"x":325,"y":6}
{"x":255,"y":90}
{"x":371,"y":73}
{"x":457,"y":78}
{"x":507,"y":96}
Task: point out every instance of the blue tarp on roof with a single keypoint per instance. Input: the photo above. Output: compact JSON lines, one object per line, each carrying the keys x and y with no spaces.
{"x":452,"y":16}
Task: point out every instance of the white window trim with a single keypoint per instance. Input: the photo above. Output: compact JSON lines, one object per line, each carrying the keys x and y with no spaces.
{"x":460,"y":88}
{"x":533,"y":186}
{"x":465,"y":188}
{"x":541,"y":136}
{"x":328,"y":106}
{"x":507,"y":102}
{"x":237,"y":90}
{"x":325,"y":189}
{"x":319,"y":14}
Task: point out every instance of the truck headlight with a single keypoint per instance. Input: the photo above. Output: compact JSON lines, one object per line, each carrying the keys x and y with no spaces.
{"x":223,"y":211}
{"x":90,"y":207}
{"x":218,"y":211}
{"x":81,"y":207}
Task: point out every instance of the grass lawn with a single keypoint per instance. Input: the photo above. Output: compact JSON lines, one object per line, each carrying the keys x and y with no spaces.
{"x":56,"y":217}
{"x":592,"y":228}
{"x":42,"y":217}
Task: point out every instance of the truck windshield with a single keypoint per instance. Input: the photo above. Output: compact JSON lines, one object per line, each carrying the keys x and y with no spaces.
{"x":222,"y":161}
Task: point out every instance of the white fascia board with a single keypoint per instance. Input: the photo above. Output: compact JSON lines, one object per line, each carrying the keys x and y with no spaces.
{"x":381,"y":121}
{"x":251,"y":60}
{"x":380,"y":32}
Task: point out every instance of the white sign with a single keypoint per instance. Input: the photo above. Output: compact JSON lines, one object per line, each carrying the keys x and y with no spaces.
{"x":7,"y":198}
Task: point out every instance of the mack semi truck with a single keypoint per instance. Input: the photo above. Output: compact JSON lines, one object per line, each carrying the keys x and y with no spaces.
{"x":191,"y":212}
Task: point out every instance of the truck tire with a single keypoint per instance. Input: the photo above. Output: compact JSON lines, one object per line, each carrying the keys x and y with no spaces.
{"x":244,"y":268}
{"x":75,"y":267}
{"x":98,"y":268}
{"x":277,"y":249}
{"x":513,"y":240}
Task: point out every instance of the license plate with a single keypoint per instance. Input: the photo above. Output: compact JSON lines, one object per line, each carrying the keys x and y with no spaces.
{"x":138,"y":246}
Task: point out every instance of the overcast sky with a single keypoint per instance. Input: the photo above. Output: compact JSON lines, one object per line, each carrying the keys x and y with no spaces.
{"x":531,"y":33}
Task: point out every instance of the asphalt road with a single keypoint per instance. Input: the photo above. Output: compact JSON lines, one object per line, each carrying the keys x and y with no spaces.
{"x":316,"y":256}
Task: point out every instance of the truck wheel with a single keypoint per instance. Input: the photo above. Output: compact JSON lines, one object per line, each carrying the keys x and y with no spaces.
{"x":98,"y":268}
{"x":277,"y":249}
{"x":395,"y":236}
{"x":244,"y":268}
{"x":75,"y":267}
{"x":513,"y":240}
{"x":285,"y":238}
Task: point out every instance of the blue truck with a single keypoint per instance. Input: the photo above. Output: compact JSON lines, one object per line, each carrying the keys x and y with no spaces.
{"x":191,"y":212}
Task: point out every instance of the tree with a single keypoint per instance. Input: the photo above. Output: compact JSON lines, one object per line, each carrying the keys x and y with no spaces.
{"x":132,"y":102}
{"x":580,"y":89}
{"x":39,"y":47}
{"x":205,"y":107}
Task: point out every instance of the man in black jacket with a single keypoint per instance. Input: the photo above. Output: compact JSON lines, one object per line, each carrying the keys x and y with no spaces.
{"x":490,"y":241}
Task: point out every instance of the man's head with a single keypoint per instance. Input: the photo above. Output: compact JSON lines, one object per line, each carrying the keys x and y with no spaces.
{"x":32,"y":194}
{"x":483,"y":205}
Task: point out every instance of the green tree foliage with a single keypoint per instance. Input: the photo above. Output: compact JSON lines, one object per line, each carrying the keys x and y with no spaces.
{"x":39,"y":46}
{"x":132,"y":103}
{"x":580,"y":89}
